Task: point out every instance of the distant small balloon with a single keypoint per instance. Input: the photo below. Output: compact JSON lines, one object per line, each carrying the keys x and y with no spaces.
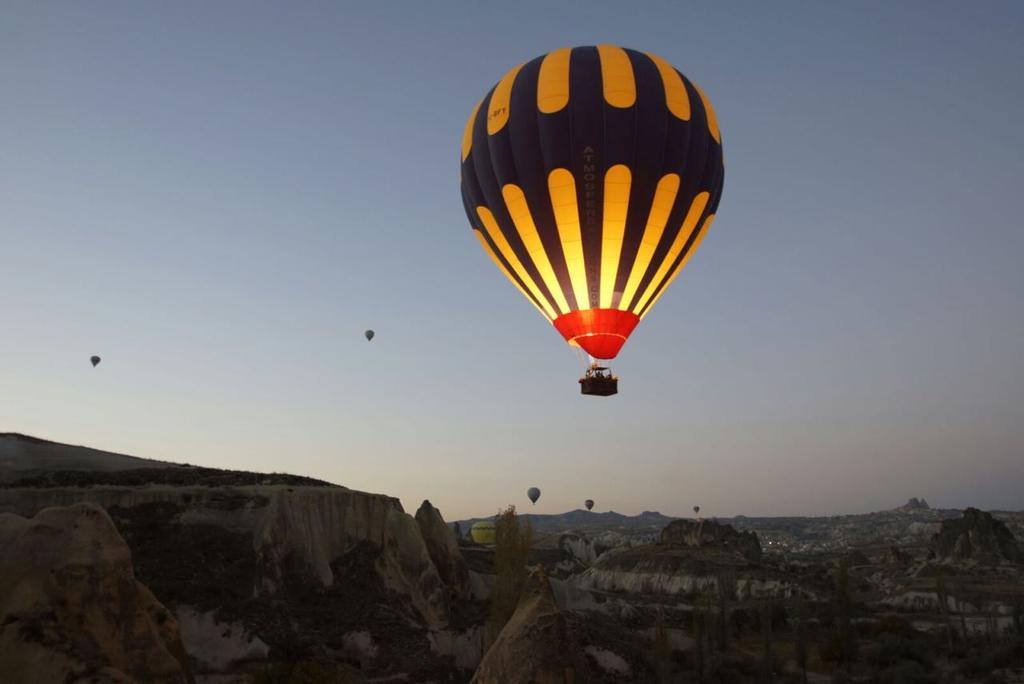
{"x":369,"y":335}
{"x":533,"y":493}
{"x":95,"y":361}
{"x":696,"y":509}
{"x":589,"y":503}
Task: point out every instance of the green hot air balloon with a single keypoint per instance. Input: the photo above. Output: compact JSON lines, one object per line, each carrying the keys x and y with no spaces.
{"x":482,"y":532}
{"x":533,"y":493}
{"x":369,"y":335}
{"x":589,"y":503}
{"x":95,"y":361}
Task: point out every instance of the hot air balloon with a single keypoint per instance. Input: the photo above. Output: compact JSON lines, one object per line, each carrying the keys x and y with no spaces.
{"x":533,"y":493}
{"x":589,"y":503}
{"x":369,"y":335}
{"x":95,"y":360}
{"x":696,"y":510}
{"x":482,"y":532}
{"x":590,"y":175}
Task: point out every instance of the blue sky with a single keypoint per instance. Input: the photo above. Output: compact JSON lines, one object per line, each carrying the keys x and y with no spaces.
{"x":219,"y":198}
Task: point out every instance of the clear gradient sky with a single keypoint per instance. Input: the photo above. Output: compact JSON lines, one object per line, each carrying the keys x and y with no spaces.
{"x":218,"y":198}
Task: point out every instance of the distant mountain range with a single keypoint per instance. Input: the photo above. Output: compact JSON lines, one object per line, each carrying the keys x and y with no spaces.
{"x":911,"y":523}
{"x":588,"y":522}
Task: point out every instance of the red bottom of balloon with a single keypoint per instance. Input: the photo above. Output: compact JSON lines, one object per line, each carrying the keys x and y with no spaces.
{"x":599,"y":332}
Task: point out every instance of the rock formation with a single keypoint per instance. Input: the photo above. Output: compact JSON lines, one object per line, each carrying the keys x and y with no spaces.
{"x":443,"y":548}
{"x":690,"y":559}
{"x":263,"y":570}
{"x":646,"y":570}
{"x":71,"y":608}
{"x":287,"y":578}
{"x":576,"y":546}
{"x":536,"y":645}
{"x":286,"y":530}
{"x":976,"y":536}
{"x":340,"y":560}
{"x":642,"y":528}
{"x":710,"y":534}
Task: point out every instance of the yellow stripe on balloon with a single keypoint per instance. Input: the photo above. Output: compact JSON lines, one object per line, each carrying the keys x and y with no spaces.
{"x":498,"y":109}
{"x":519,"y":210}
{"x":553,"y":81}
{"x":689,"y":223}
{"x":617,"y":76}
{"x":664,"y":198}
{"x":712,"y":119}
{"x":686,"y":259}
{"x":496,"y":260}
{"x":467,"y":134}
{"x":562,"y":187}
{"x":676,"y":98}
{"x":510,"y":256}
{"x":617,"y":182}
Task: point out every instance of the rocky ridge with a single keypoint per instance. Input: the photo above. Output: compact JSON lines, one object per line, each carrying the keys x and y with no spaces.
{"x":275,"y":569}
{"x":712,"y":534}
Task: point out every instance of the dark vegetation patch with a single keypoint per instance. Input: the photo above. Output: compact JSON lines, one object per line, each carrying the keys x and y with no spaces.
{"x":468,"y":614}
{"x":304,"y":621}
{"x":44,"y":627}
{"x":201,"y":565}
{"x":175,"y":476}
{"x":549,"y":558}
{"x":478,"y":558}
{"x":306,"y":672}
{"x":618,"y":636}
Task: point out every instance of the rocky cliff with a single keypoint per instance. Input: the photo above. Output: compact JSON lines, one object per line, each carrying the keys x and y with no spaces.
{"x":642,"y":528}
{"x":266,"y":568}
{"x":976,"y":536}
{"x":576,"y":546}
{"x":71,"y":608}
{"x":691,"y":558}
{"x":710,"y":534}
{"x":443,"y":548}
{"x":337,"y":559}
{"x":654,"y":569}
{"x":536,"y":646}
{"x":914,"y":504}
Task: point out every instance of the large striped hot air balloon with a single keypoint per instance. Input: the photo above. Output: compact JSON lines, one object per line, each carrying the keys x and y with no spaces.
{"x":590,"y":176}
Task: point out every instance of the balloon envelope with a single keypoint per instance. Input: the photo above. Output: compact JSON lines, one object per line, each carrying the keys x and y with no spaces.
{"x":533,"y":493}
{"x":369,"y":334}
{"x":590,"y":175}
{"x":589,"y":503}
{"x":482,"y":532}
{"x":95,"y":360}
{"x":696,"y":509}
